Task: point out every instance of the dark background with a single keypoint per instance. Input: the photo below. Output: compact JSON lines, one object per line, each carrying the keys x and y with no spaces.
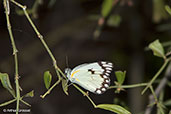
{"x":68,"y":30}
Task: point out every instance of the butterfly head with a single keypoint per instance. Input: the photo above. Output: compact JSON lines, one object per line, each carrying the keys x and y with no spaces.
{"x":68,"y":72}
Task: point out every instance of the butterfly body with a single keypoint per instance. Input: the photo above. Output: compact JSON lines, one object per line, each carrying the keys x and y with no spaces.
{"x":93,"y":77}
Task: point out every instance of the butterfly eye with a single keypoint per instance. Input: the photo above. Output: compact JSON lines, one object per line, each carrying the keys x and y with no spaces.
{"x":67,"y":71}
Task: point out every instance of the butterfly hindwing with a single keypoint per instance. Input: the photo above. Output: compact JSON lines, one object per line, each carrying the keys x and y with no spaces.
{"x":93,"y":77}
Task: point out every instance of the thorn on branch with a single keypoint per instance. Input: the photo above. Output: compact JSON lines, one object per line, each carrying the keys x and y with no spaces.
{"x":15,"y":51}
{"x":17,"y":77}
{"x":24,"y":7}
{"x":40,"y":36}
{"x":54,"y":64}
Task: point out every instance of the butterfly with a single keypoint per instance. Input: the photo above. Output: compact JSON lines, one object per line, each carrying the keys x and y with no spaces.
{"x":93,"y":77}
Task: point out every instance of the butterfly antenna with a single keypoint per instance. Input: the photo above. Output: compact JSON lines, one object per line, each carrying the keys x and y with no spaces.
{"x":67,"y":63}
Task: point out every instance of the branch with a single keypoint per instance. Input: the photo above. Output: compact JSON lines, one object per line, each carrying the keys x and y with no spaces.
{"x":57,"y":69}
{"x":7,"y":12}
{"x":156,"y":75}
{"x":159,"y":88}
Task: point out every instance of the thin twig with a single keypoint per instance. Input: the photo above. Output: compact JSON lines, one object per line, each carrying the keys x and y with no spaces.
{"x":15,"y":56}
{"x":85,"y":94}
{"x":44,"y":44}
{"x":39,"y":36}
{"x":159,"y":88}
{"x":50,"y":89}
{"x":8,"y":102}
{"x":130,"y":86}
{"x":25,"y":103}
{"x":156,"y":75}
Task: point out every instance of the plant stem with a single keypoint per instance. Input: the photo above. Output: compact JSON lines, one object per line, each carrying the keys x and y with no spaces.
{"x":8,"y":102}
{"x":157,"y":101}
{"x":50,"y":89}
{"x":129,"y":86}
{"x":15,"y":56}
{"x":153,"y":93}
{"x":25,"y":102}
{"x":85,"y":94}
{"x":156,"y":75}
{"x":39,"y":36}
{"x":45,"y":45}
{"x":17,"y":84}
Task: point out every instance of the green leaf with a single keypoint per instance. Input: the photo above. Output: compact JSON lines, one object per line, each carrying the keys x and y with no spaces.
{"x":159,"y":12}
{"x":157,"y":48}
{"x":65,"y":86}
{"x":106,"y":7}
{"x":114,"y":108}
{"x":120,"y":76}
{"x":30,"y":94}
{"x":6,"y":83}
{"x":114,"y":20}
{"x":168,"y":9}
{"x":47,"y":79}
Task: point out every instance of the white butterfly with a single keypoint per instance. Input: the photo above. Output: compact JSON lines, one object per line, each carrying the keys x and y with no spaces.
{"x":93,"y":77}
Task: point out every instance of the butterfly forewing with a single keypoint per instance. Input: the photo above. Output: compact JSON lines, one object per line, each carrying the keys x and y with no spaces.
{"x":93,"y":77}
